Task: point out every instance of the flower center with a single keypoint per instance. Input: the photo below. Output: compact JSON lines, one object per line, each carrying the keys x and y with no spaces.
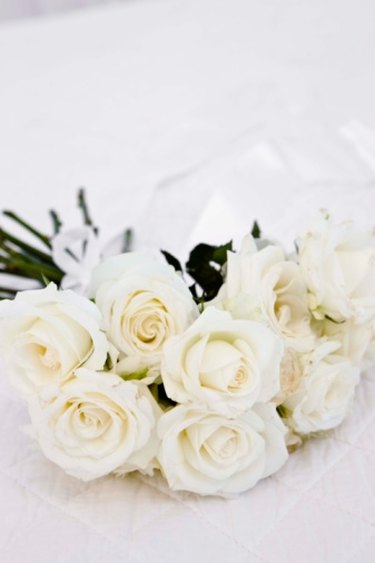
{"x":49,"y":358}
{"x":146,"y":322}
{"x":222,"y":444}
{"x":241,"y":376}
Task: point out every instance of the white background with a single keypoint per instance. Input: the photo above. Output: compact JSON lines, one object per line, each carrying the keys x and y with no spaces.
{"x":26,"y":8}
{"x":188,"y":119}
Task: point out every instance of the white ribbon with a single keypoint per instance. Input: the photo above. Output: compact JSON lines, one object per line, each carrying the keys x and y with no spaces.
{"x":76,"y":252}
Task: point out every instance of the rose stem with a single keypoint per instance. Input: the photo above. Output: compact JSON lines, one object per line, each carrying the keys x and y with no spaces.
{"x":56,"y":221}
{"x":44,"y":238}
{"x":35,"y":252}
{"x":33,"y":269}
{"x":82,"y":204}
{"x":128,"y":240}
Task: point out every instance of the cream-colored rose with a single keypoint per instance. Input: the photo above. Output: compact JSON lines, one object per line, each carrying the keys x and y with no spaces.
{"x":47,"y":333}
{"x":291,"y":374}
{"x":325,"y":393}
{"x":368,"y":360}
{"x":210,"y":454}
{"x":263,"y":285}
{"x":224,"y":363}
{"x":96,"y":423}
{"x":338,"y":265}
{"x":144,"y":303}
{"x":354,"y":339}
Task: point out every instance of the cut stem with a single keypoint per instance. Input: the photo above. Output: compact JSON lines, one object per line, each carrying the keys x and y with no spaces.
{"x":31,"y":250}
{"x":128,"y":240}
{"x":8,"y":290}
{"x":42,"y":237}
{"x":56,"y":221}
{"x":31,"y":269}
{"x":17,"y":274}
{"x":82,"y":204}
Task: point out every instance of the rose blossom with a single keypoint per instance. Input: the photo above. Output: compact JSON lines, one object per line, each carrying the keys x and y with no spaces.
{"x":224,"y":363}
{"x":325,"y":392}
{"x":209,"y":454}
{"x":291,"y":374}
{"x":144,"y":302}
{"x":263,"y":285}
{"x":47,"y":333}
{"x":96,"y":423}
{"x":354,"y":339}
{"x":368,"y":360}
{"x":338,"y":265}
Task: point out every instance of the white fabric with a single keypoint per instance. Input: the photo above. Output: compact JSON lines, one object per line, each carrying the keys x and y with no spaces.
{"x":27,"y":8}
{"x":189,"y":119}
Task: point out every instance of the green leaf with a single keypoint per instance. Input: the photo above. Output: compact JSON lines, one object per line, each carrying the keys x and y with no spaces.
{"x":204,"y":266}
{"x":163,"y":399}
{"x":255,"y":231}
{"x":46,"y":280}
{"x":17,"y":219}
{"x":20,"y":266}
{"x":128,"y":240}
{"x":7,"y":238}
{"x":141,"y":374}
{"x":172,"y":261}
{"x":8,"y":292}
{"x":56,"y":221}
{"x":201,"y":306}
{"x":193,"y":291}
{"x":154,"y":389}
{"x":283,"y":411}
{"x":82,"y":204}
{"x":219,"y":255}
{"x":108,"y":363}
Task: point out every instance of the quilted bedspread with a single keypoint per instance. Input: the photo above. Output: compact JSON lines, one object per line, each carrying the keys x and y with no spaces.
{"x":189,"y":119}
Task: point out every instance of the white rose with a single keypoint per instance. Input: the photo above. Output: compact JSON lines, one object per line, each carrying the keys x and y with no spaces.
{"x":354,"y":339}
{"x":96,"y":423}
{"x":291,"y":374}
{"x":47,"y":333}
{"x":144,"y":302}
{"x":224,"y":363}
{"x":209,"y":454}
{"x":369,"y":355}
{"x":263,"y":285}
{"x":338,"y":264}
{"x":325,"y":393}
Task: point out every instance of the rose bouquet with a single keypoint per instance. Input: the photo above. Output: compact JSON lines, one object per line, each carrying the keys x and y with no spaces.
{"x":126,"y":365}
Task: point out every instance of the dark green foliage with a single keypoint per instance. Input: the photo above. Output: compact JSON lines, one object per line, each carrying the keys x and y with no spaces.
{"x":128,"y":240}
{"x":205,"y":267}
{"x":206,"y":263}
{"x":255,"y":231}
{"x":27,"y":260}
{"x":172,"y":260}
